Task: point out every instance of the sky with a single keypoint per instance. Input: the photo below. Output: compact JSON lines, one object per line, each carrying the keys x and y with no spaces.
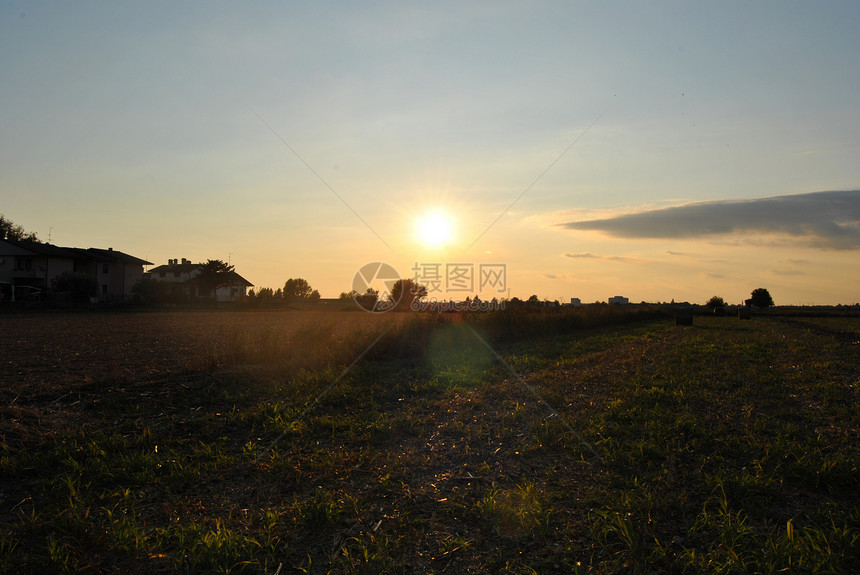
{"x":659,"y":151}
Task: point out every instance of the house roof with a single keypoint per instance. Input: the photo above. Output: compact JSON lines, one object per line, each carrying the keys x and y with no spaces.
{"x":40,"y":249}
{"x":186,"y":267}
{"x":52,"y":251}
{"x":111,"y":254}
{"x":232,"y":278}
{"x":229,"y":278}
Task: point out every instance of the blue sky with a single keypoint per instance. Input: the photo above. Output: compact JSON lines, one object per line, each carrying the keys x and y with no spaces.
{"x":290,"y":137}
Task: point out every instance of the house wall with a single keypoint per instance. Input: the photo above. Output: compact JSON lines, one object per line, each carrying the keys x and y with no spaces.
{"x":109,"y":285}
{"x":8,"y":253}
{"x":175,"y":276}
{"x":59,"y":266}
{"x":115,"y":280}
{"x":30,"y":270}
{"x":133,"y":274}
{"x":230,"y":293}
{"x":20,"y":267}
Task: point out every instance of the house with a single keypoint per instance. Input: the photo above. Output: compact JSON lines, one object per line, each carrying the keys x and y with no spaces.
{"x":233,"y":287}
{"x":28,"y":268}
{"x":115,"y":272}
{"x":182,"y":275}
{"x":175,"y":272}
{"x":618,"y":299}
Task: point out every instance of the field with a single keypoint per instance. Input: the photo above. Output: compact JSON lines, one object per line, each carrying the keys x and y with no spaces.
{"x":304,"y":442}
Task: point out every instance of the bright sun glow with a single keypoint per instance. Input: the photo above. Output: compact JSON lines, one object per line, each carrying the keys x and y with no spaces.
{"x":434,"y":229}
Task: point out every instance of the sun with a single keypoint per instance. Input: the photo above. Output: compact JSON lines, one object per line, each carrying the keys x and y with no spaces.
{"x":434,"y":229}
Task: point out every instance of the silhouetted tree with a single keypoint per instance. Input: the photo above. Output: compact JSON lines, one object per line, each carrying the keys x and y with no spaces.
{"x":715,"y":302}
{"x":406,"y":291}
{"x":9,"y":231}
{"x":80,"y":286}
{"x":212,"y":274}
{"x":298,"y":290}
{"x":266,"y":293}
{"x":265,"y":297}
{"x":366,"y":300}
{"x":152,"y":291}
{"x":760,"y":297}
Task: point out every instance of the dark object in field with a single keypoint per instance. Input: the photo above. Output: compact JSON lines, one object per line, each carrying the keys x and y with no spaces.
{"x":684,"y":316}
{"x":744,"y":312}
{"x":719,"y":311}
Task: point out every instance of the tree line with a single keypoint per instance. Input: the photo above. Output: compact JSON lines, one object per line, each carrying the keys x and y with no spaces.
{"x":760,"y":298}
{"x":295,"y":291}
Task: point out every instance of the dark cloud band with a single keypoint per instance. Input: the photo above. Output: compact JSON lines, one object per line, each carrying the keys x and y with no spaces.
{"x":823,"y":219}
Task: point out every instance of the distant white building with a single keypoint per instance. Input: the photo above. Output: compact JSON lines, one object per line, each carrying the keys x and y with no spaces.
{"x":575,"y":301}
{"x":618,"y":299}
{"x":182,"y":276}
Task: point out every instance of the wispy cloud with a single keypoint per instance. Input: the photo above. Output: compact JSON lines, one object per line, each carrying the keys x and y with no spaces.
{"x":587,"y":255}
{"x":821,"y":219}
{"x":557,"y":276}
{"x":789,"y":272}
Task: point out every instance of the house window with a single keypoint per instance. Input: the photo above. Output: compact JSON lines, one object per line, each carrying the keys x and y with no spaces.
{"x":23,"y":263}
{"x":105,"y":268}
{"x":104,"y":289}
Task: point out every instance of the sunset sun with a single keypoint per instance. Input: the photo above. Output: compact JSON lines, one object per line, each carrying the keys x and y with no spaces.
{"x":434,"y":229}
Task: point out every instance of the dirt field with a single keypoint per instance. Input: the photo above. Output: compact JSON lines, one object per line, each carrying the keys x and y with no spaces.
{"x":49,"y":361}
{"x":239,"y":442}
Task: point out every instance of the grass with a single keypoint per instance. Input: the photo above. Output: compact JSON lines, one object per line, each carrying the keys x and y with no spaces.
{"x":726,"y":447}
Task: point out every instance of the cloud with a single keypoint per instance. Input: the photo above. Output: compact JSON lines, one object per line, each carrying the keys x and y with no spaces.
{"x":789,"y":272}
{"x":821,"y":219}
{"x":563,"y":277}
{"x":596,"y":257}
